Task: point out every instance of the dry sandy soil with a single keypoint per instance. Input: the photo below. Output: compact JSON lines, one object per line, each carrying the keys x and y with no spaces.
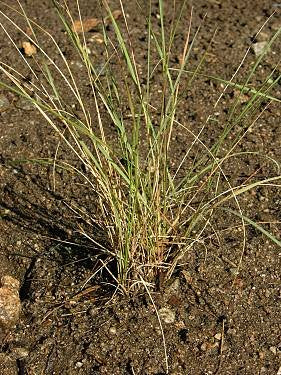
{"x":224,"y":323}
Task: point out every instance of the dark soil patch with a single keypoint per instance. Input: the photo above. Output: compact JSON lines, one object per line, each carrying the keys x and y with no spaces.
{"x":70,"y":323}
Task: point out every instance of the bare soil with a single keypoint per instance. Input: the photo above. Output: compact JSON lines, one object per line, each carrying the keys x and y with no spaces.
{"x":70,"y":322}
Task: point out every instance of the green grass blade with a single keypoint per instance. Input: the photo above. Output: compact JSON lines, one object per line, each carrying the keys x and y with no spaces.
{"x":256,"y":226}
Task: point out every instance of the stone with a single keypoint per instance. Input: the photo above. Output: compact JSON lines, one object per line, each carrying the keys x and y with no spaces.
{"x":112,"y":330}
{"x":10,"y":305}
{"x":259,"y":47}
{"x":167,"y":315}
{"x":273,"y":350}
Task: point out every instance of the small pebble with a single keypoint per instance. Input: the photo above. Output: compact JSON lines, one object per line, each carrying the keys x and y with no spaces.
{"x":204,"y":346}
{"x":259,"y":47}
{"x":10,"y":305}
{"x":167,"y":315}
{"x":112,"y":330}
{"x":29,"y":49}
{"x":273,"y":350}
{"x":79,"y":364}
{"x":208,"y":346}
{"x":218,"y":336}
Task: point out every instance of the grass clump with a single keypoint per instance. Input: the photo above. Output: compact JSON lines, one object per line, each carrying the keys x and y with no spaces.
{"x":151,"y":210}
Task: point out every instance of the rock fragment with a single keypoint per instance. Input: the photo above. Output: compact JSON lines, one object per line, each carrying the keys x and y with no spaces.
{"x":29,"y":49}
{"x":259,"y":47}
{"x":10,"y":305}
{"x":167,"y":315}
{"x":80,"y":26}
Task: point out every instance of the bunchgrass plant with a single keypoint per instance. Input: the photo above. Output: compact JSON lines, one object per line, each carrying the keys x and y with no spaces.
{"x":151,"y":211}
